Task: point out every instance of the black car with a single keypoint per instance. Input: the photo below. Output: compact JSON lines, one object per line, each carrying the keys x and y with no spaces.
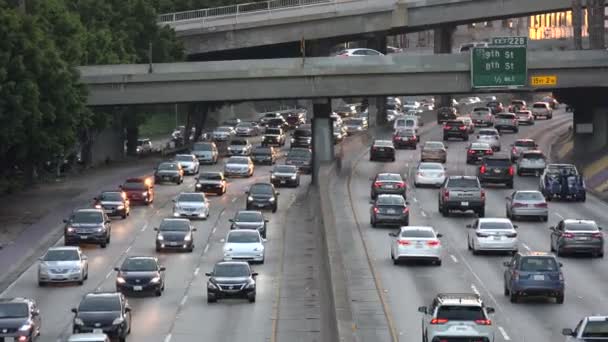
{"x":90,"y":226}
{"x":104,"y":312}
{"x":19,"y":319}
{"x":113,"y":203}
{"x":262,"y":196}
{"x":169,"y":172}
{"x":302,"y":137}
{"x":300,"y":157}
{"x":405,"y":138}
{"x":477,"y":151}
{"x":249,"y":219}
{"x":388,"y":183}
{"x":277,"y":123}
{"x":455,"y":129}
{"x":495,"y":106}
{"x":389,"y":210}
{"x":139,"y":190}
{"x":446,"y":114}
{"x":285,"y":175}
{"x":231,"y":279}
{"x":273,"y":136}
{"x":175,"y":233}
{"x":496,"y":169}
{"x":211,"y":182}
{"x":264,"y":155}
{"x":382,"y":150}
{"x":139,"y":275}
{"x":295,"y":119}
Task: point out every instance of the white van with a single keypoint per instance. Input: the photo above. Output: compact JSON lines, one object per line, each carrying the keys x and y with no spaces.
{"x":89,"y":338}
{"x":406,"y":122}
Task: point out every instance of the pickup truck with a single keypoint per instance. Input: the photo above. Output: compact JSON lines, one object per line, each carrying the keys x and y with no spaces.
{"x":462,"y":193}
{"x":482,"y":116}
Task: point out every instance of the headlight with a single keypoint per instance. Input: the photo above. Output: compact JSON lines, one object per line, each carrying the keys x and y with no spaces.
{"x":43,"y":268}
{"x":145,"y":193}
{"x":98,"y":206}
{"x":118,"y":320}
{"x":188,"y":237}
{"x":293,"y":140}
{"x":293,"y":177}
{"x":251,"y":284}
{"x":101,"y":229}
{"x":75,"y":269}
{"x":271,"y":199}
{"x":120,"y":207}
{"x":70,"y":229}
{"x":273,"y":176}
{"x":25,"y":327}
{"x":78,"y":321}
{"x":250,"y":198}
{"x":160,"y":237}
{"x":198,"y":185}
{"x":210,"y":285}
{"x":155,"y":279}
{"x":120,"y":280}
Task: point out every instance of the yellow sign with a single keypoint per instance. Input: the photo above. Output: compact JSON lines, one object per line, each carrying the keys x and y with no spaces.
{"x":539,"y":81}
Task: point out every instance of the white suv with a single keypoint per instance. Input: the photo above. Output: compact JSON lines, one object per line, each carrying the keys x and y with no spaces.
{"x":542,"y":109}
{"x":457,"y":315}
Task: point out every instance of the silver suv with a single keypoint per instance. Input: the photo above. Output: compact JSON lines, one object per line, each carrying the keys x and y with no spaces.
{"x":457,"y":315}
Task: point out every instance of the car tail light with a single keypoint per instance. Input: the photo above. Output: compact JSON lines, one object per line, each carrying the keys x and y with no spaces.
{"x":489,"y":151}
{"x":479,"y":234}
{"x":515,"y":276}
{"x":540,"y":205}
{"x":514,"y":149}
{"x":446,"y":193}
{"x":471,"y":152}
{"x":596,"y":236}
{"x":433,"y":243}
{"x":514,"y":121}
{"x":483,"y":321}
{"x":439,"y":321}
{"x":519,"y":205}
{"x":376,"y":210}
{"x":482,"y":169}
{"x":446,"y":127}
{"x":401,"y":185}
{"x":406,"y":210}
{"x":483,"y":194}
{"x":462,"y":128}
{"x":404,"y":242}
{"x":568,"y":235}
{"x":511,"y":171}
{"x":377,"y":184}
{"x":512,"y":235}
{"x":343,"y":55}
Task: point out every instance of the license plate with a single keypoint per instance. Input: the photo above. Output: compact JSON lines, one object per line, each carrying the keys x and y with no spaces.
{"x":381,"y":150}
{"x":174,"y":243}
{"x":97,"y":331}
{"x":419,"y":245}
{"x":107,"y":211}
{"x":84,"y":237}
{"x":497,"y":238}
{"x":166,"y":178}
{"x":260,"y":205}
{"x":391,"y":211}
{"x":582,"y":238}
{"x":464,"y":204}
{"x":390,"y":186}
{"x":496,"y":171}
{"x":539,"y":277}
{"x":137,"y":288}
{"x":283,"y":182}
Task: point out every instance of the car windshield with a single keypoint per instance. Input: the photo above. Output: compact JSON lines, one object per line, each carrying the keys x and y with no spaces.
{"x":244,"y":124}
{"x":538,"y":264}
{"x":168,"y":166}
{"x":488,"y":132}
{"x":261,"y":151}
{"x":187,"y":158}
{"x":303,"y":133}
{"x":224,"y":129}
{"x":175,"y":225}
{"x":533,"y":156}
{"x":87,"y":217}
{"x":390,"y":200}
{"x":139,"y":265}
{"x":353,"y":122}
{"x":249,"y":217}
{"x":202,"y":147}
{"x":237,"y":160}
{"x":273,"y":131}
{"x":100,"y":304}
{"x":238,"y":142}
{"x":495,"y":225}
{"x":388,"y":177}
{"x":529,"y":196}
{"x":299,"y":154}
{"x":433,"y":146}
{"x":581,"y":226}
{"x":523,"y":113}
{"x":463,"y":183}
{"x":479,"y":146}
{"x":141,"y":142}
{"x":13,"y":310}
{"x":417,"y":233}
{"x":191,"y":197}
{"x":211,"y":176}
{"x":265,"y":189}
{"x":111,"y":196}
{"x":430,"y":166}
{"x":539,"y":105}
{"x":231,"y":270}
{"x":285,"y":169}
{"x":497,"y":162}
{"x":134,"y":185}
{"x":460,"y":313}
{"x":525,"y":143}
{"x":243,"y":236}
{"x":596,"y":329}
{"x":62,"y":255}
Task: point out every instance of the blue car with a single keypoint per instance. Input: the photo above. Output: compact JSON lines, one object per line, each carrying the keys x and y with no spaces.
{"x":534,"y":274}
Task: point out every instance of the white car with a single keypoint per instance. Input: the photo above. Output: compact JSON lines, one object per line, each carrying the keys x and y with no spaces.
{"x":244,"y":245}
{"x":492,"y":234}
{"x":89,"y":337}
{"x":542,"y":109}
{"x":489,"y":136}
{"x":430,"y":174}
{"x":360,"y":52}
{"x":416,"y":243}
{"x":191,"y":205}
{"x":406,"y":122}
{"x":189,"y":163}
{"x":62,"y":265}
{"x":238,"y":166}
{"x":533,"y":162}
{"x":239,"y":147}
{"x":223,"y":133}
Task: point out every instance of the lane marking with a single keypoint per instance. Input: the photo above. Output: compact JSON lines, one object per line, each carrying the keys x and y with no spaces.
{"x":213,"y":230}
{"x":168,"y":338}
{"x":109,"y":274}
{"x":128,"y":249}
{"x":205,"y":251}
{"x":196,"y":270}
{"x":183,"y":300}
{"x":504,"y":333}
{"x":234,"y":199}
{"x":453,"y":258}
{"x":525,"y":246}
{"x":143,"y":229}
{"x":558,"y":215}
{"x":423,"y":213}
{"x":475,"y":289}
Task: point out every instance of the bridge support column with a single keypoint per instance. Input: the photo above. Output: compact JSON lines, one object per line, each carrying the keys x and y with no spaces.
{"x":378,"y":42}
{"x":322,"y":135}
{"x":443,"y":37}
{"x":318,"y":48}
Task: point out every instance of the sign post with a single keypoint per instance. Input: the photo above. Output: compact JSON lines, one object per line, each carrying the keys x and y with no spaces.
{"x":502,"y":64}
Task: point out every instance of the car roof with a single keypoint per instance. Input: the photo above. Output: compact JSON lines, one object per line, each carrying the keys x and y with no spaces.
{"x":494,"y":219}
{"x":231,"y":263}
{"x":102,"y":294}
{"x":16,"y":300}
{"x":524,"y":140}
{"x":527,"y":191}
{"x":87,"y":337}
{"x":533,"y":152}
{"x":390,"y":196}
{"x":459,"y":299}
{"x":64,"y":248}
{"x":185,"y":155}
{"x":497,"y":157}
{"x":541,"y":254}
{"x":249,"y":211}
{"x":431,"y":163}
{"x":462,"y":177}
{"x":406,"y":228}
{"x":175,"y":219}
{"x":480,"y":145}
{"x":388,"y":174}
{"x":570,"y":221}
{"x":142,"y":257}
{"x":89,"y":210}
{"x":383,"y":142}
{"x":597,"y":318}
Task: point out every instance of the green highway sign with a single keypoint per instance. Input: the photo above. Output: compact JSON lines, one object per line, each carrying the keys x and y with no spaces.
{"x":499,"y":66}
{"x":509,"y":41}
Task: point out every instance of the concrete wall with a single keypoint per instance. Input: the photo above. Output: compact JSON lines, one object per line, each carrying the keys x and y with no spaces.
{"x":108,"y":145}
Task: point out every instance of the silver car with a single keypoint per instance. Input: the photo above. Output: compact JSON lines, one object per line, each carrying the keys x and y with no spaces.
{"x":247,"y":129}
{"x":489,"y":136}
{"x":239,"y":166}
{"x":531,"y":162}
{"x":542,"y":109}
{"x":223,"y":133}
{"x":244,"y":245}
{"x":527,"y":203}
{"x":189,"y":163}
{"x":432,"y":174}
{"x":62,"y":265}
{"x":89,"y":337}
{"x":239,"y":147}
{"x":520,"y":146}
{"x":492,"y":234}
{"x":506,"y":121}
{"x":416,"y":243}
{"x":355,"y":125}
{"x":590,"y":328}
{"x":205,"y":152}
{"x":191,"y":205}
{"x":482,"y":116}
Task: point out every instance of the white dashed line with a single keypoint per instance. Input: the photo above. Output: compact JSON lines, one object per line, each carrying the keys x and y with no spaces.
{"x":423,"y":213}
{"x":183,"y":300}
{"x":558,"y":215}
{"x":234,"y":199}
{"x":128,"y":249}
{"x":109,"y":274}
{"x":168,"y":338}
{"x":143,"y":229}
{"x":525,"y":246}
{"x":204,"y":251}
{"x":213,"y":230}
{"x":504,"y":333}
{"x":453,"y":258}
{"x":475,"y":289}
{"x":196,"y":270}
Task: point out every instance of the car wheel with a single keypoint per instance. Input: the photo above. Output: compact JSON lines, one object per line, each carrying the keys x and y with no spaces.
{"x":103,"y":245}
{"x":559,"y":252}
{"x":545,"y":218}
{"x":211,"y":298}
{"x":159,"y":292}
{"x":274,"y":209}
{"x":124,"y":216}
{"x":481,"y":212}
{"x":519,"y":172}
{"x":437,"y":262}
{"x":41,"y":284}
{"x":466,"y":138}
{"x":158,"y":249}
{"x":513,"y":297}
{"x":600,"y":254}
{"x":506,"y":290}
{"x":251,"y":299}
{"x":559,"y":299}
{"x":373,"y":223}
{"x":122,"y":339}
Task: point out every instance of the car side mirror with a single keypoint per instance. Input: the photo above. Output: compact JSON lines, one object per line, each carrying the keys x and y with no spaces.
{"x":561,"y":265}
{"x":194,"y":229}
{"x":371,"y":202}
{"x":208,"y":274}
{"x":439,"y":235}
{"x":246,"y":192}
{"x":128,"y":309}
{"x":116,"y":269}
{"x":506,"y":264}
{"x":35,"y":313}
{"x":477,"y":136}
{"x":173,"y":200}
{"x":407,"y":203}
{"x":266,"y":220}
{"x":515,"y":226}
{"x":422,"y":309}
{"x":65,"y":220}
{"x":95,"y":199}
{"x":254,"y":274}
{"x":162,"y":268}
{"x":507,"y":197}
{"x":567,"y":332}
{"x":277,"y":194}
{"x":600,"y":228}
{"x":231,"y":220}
{"x":196,"y":179}
{"x":371,"y":179}
{"x":393,"y":234}
{"x":469,"y":226}
{"x":552,"y":228}
{"x":84,"y":257}
{"x":490,"y":310}
{"x":156,"y":228}
{"x":74,"y":310}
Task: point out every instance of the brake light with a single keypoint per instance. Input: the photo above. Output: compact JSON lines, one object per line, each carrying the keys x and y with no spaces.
{"x":462,"y":128}
{"x":596,"y":236}
{"x":483,"y":321}
{"x":433,"y":243}
{"x":471,"y":152}
{"x":446,"y":193}
{"x":568,"y":235}
{"x":511,"y":171}
{"x":514,"y":149}
{"x":489,"y":151}
{"x":401,"y":184}
{"x":439,"y":321}
{"x":406,"y":210}
{"x":519,"y":205}
{"x":403,"y":242}
{"x":482,"y":169}
{"x":540,"y":205}
{"x":376,"y":210}
{"x":377,"y":184}
{"x":514,"y":121}
{"x":483,"y":195}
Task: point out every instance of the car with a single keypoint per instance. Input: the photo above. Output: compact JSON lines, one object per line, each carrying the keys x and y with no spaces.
{"x":302,"y":137}
{"x":269,"y":116}
{"x":336,"y":119}
{"x":346,"y":110}
{"x":506,"y":121}
{"x":490,"y":136}
{"x":533,"y":273}
{"x":462,"y":193}
{"x":223,"y":133}
{"x":264,"y":155}
{"x":432,"y":174}
{"x":188,"y":162}
{"x":211,"y":182}
{"x":300,"y":157}
{"x":482,"y":116}
{"x":517,"y":105}
{"x":339,"y":133}
{"x":389,"y":210}
{"x":542,"y":109}
{"x":468,"y":122}
{"x":239,"y":147}
{"x":20,"y":319}
{"x":244,"y":245}
{"x":205,"y":152}
{"x":262,"y":196}
{"x":355,"y":125}
{"x":553,"y":103}
{"x":231,"y":279}
{"x":296,"y":118}
{"x":287,"y":175}
{"x":477,"y":151}
{"x":193,"y":205}
{"x":434,"y":151}
{"x":144,"y":146}
{"x":457,"y":317}
{"x":90,"y":226}
{"x":455,"y":129}
{"x":388,"y":183}
{"x":169,"y":172}
{"x":277,"y":123}
{"x":405,"y":139}
{"x":273,"y":137}
{"x":359,"y":52}
{"x":520,"y":146}
{"x":577,"y":236}
{"x":103,"y":312}
{"x":496,"y":169}
{"x":140,"y":275}
{"x":113,"y":203}
{"x":526,"y":203}
{"x":239,"y":166}
{"x":590,"y":328}
{"x":139,"y":190}
{"x":492,"y":234}
{"x":416,"y":243}
{"x":176,"y":234}
{"x":445,"y":114}
{"x":232,"y":122}
{"x":533,"y":161}
{"x":525,"y":117}
{"x":382,"y":150}
{"x":250,"y":219}
{"x":88,"y":337}
{"x":406,"y":122}
{"x":247,"y":129}
{"x":495,"y":106}
{"x":562,"y":181}
{"x":62,"y":265}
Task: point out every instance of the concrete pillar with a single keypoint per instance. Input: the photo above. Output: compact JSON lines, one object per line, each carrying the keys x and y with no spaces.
{"x":378,"y":42}
{"x":443,"y":37}
{"x":372,"y":112}
{"x":318,"y":48}
{"x":322,"y":135}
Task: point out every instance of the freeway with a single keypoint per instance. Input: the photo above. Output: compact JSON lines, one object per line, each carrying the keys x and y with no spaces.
{"x":406,"y":287}
{"x":182,"y":313}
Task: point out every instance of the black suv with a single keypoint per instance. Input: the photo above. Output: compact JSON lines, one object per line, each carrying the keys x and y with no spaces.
{"x":278,"y":123}
{"x":87,"y":226}
{"x":302,"y":137}
{"x":496,"y":169}
{"x":455,"y":129}
{"x":169,"y":172}
{"x":19,"y":319}
{"x":231,"y":279}
{"x":446,"y":114}
{"x":382,"y":150}
{"x":273,"y":136}
{"x":264,"y":155}
{"x":262,"y":196}
{"x":113,"y":203}
{"x":249,"y":219}
{"x":300,"y":157}
{"x":104,"y":312}
{"x":295,"y":119}
{"x":140,"y":275}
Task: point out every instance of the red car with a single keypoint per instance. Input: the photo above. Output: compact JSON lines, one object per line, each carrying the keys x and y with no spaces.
{"x":139,"y":190}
